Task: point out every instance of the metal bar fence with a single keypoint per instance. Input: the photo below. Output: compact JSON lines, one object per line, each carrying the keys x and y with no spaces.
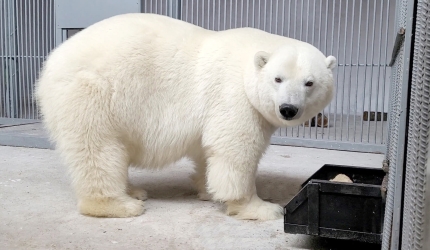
{"x":26,"y":37}
{"x":359,"y":111}
{"x":357,"y":114}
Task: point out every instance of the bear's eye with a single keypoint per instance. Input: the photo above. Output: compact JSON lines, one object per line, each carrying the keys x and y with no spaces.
{"x":309,"y":84}
{"x":278,"y":80}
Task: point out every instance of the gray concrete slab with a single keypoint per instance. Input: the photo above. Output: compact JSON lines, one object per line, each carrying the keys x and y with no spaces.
{"x":38,"y":211}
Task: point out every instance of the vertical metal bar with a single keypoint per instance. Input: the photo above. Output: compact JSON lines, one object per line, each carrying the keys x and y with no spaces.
{"x":325,"y":51}
{"x":331,"y":52}
{"x":320,"y":46}
{"x":51,"y":26}
{"x":338,"y":70}
{"x":301,"y":20}
{"x":271,"y":17}
{"x":282,"y":18}
{"x":379,"y":69}
{"x":38,"y":58}
{"x":17,"y":88}
{"x":7,"y":60}
{"x":289,"y":18}
{"x":203,"y":14}
{"x":155,"y":10}
{"x":294,"y":30}
{"x":27,"y":26}
{"x":385,"y":69}
{"x":236,"y":15}
{"x":231,"y":13}
{"x":253,"y":13}
{"x":365,"y":69}
{"x":2,"y":58}
{"x":15,"y":62}
{"x":213,"y":14}
{"x":358,"y":68}
{"x":241,"y":13}
{"x":306,"y":39}
{"x":265,"y":15}
{"x":43,"y":44}
{"x":276,"y":15}
{"x":371,"y":69}
{"x":186,"y":10}
{"x":161,"y":11}
{"x":209,"y":15}
{"x":8,"y":63}
{"x":219,"y":14}
{"x":307,"y":21}
{"x":313,"y":25}
{"x":259,"y":14}
{"x":313,"y":43}
{"x":247,"y":13}
{"x":350,"y":73}
{"x":20,"y":45}
{"x":295,"y":10}
{"x":197,"y":12}
{"x":33,"y":52}
{"x":344,"y":62}
{"x":225,"y":15}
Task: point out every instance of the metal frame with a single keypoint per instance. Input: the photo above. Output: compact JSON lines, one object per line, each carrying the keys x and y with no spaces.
{"x":397,"y":148}
{"x":332,"y":145}
{"x":401,"y":148}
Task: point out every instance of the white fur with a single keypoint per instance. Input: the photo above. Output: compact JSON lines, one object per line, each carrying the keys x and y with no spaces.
{"x":145,"y":90}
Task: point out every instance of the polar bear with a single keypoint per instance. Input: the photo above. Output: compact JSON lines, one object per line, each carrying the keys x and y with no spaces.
{"x":146,"y":90}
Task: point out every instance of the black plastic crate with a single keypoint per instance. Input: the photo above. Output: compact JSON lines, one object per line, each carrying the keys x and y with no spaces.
{"x":349,"y":211}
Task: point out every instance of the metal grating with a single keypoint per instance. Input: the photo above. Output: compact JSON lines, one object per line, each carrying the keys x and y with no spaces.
{"x":357,"y":32}
{"x":26,"y":37}
{"x":419,"y":128}
{"x":395,"y":142}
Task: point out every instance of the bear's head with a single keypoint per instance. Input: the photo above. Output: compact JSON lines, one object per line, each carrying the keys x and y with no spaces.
{"x":292,"y":84}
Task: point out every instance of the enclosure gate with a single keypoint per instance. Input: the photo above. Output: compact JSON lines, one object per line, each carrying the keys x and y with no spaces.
{"x":359,"y":33}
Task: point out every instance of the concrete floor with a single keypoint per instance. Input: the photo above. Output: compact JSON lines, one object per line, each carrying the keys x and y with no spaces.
{"x":38,"y":211}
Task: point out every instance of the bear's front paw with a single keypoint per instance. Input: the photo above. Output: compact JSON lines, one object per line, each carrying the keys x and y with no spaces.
{"x":255,"y":209}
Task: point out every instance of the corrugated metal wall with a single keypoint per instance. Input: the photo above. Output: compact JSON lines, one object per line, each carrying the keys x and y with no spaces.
{"x":419,"y":135}
{"x":358,"y":32}
{"x":26,"y":37}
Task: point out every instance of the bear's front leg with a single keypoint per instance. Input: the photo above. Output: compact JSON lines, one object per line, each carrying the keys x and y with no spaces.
{"x":233,"y":180}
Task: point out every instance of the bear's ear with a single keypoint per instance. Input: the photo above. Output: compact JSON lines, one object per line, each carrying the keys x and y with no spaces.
{"x":260,"y":59}
{"x":330,"y":61}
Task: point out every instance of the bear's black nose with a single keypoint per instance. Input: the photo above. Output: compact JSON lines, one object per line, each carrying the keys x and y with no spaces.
{"x":288,"y":111}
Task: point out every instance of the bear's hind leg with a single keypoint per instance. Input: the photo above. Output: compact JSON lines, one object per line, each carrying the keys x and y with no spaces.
{"x":199,"y":177}
{"x":100,"y":179}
